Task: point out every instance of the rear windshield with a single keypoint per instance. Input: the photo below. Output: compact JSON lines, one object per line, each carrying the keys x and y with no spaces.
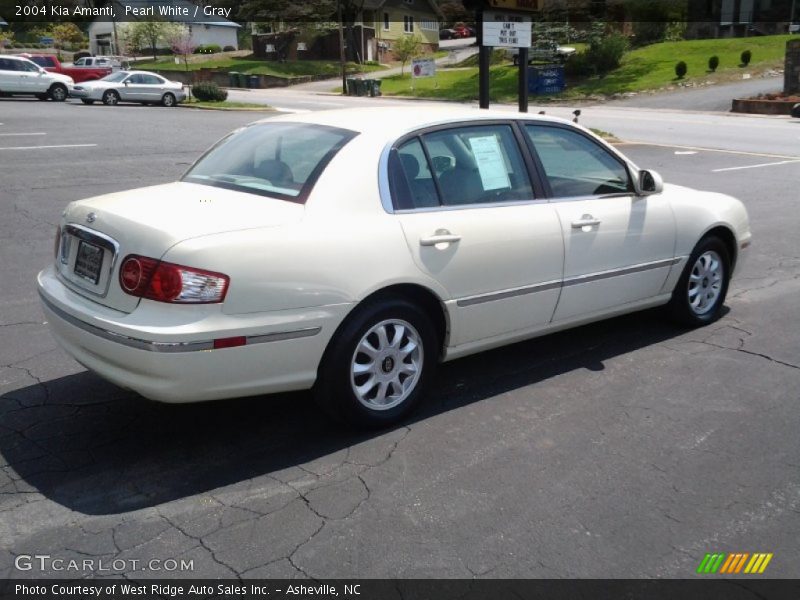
{"x":280,"y":160}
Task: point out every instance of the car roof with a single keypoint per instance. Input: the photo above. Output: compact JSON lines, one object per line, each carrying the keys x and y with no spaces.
{"x":392,"y":122}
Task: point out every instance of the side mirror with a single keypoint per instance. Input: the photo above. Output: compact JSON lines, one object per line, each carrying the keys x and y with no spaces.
{"x":650,"y":183}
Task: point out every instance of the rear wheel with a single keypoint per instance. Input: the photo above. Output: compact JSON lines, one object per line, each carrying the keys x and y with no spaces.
{"x":58,"y":92}
{"x":376,"y":368}
{"x":168,"y":100}
{"x":110,"y":98}
{"x":698,"y":297}
{"x":87,"y":101}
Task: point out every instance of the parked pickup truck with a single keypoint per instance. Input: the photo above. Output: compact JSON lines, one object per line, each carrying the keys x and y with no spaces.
{"x":50,"y":62}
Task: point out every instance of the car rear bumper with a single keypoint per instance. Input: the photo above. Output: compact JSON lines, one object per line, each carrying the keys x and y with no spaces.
{"x":176,"y":362}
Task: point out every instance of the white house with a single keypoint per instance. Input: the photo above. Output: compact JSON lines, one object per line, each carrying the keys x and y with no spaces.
{"x":204,"y":29}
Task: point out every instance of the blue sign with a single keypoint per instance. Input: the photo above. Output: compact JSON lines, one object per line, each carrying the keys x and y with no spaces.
{"x":546,"y":79}
{"x":47,"y":41}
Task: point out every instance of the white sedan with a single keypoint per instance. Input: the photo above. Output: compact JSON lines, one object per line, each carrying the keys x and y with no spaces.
{"x":131,"y":86}
{"x":351,"y":251}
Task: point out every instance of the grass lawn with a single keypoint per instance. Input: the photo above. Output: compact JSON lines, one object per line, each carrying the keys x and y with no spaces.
{"x":225,"y":105}
{"x":257,"y":66}
{"x":651,"y":67}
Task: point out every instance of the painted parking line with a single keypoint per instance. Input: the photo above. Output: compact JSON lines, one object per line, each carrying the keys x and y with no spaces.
{"x":701,"y":149}
{"x":21,"y":134}
{"x":47,"y":147}
{"x":772,"y":164}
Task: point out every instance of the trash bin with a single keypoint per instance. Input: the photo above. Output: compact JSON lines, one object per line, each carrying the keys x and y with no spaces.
{"x":361,"y":87}
{"x":351,"y":86}
{"x":374,"y":86}
{"x":241,"y":80}
{"x":233,"y":79}
{"x":254,"y":81}
{"x":796,"y":111}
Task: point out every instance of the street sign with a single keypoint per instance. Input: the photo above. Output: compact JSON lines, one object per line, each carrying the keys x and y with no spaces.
{"x":547,"y":79}
{"x":506,"y":30}
{"x":423,"y":67}
{"x":47,"y":41}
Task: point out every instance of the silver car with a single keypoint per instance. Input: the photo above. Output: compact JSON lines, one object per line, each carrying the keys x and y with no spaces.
{"x":131,"y":86}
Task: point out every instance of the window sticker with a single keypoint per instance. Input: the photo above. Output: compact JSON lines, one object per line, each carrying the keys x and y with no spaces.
{"x":490,"y":162}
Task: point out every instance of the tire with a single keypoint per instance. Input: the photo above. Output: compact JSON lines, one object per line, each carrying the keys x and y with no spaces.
{"x":343,"y":387}
{"x":110,"y":98}
{"x":87,"y":101}
{"x":700,"y":293}
{"x":42,"y":97}
{"x":168,"y":100}
{"x":58,"y":92}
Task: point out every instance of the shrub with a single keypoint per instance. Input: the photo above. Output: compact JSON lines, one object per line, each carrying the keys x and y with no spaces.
{"x":229,"y":49}
{"x":680,"y":70}
{"x":578,"y":65}
{"x":605,"y":53}
{"x":208,"y":49}
{"x":713,"y":63}
{"x":746,"y":57}
{"x":208,"y":91}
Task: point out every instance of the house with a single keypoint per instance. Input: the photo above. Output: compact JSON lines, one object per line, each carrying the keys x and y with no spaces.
{"x":733,"y":18}
{"x":204,"y":29}
{"x":377,"y":28}
{"x":390,"y":20}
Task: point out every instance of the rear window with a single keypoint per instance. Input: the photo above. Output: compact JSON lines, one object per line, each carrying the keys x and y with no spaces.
{"x":280,"y":160}
{"x":43,"y":61}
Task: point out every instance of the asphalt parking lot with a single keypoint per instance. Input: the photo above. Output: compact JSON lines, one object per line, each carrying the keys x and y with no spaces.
{"x":628,"y":448}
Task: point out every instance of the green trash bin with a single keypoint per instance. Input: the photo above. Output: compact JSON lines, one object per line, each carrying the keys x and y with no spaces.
{"x":254,"y":81}
{"x":233,"y":79}
{"x":361,"y":87}
{"x":241,"y":80}
{"x":351,"y":86}
{"x":374,"y":87}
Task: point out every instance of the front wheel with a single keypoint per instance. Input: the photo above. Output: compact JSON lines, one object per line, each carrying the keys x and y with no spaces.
{"x":698,"y":297}
{"x":58,"y":92}
{"x":168,"y":100}
{"x":110,"y":98}
{"x":377,"y":366}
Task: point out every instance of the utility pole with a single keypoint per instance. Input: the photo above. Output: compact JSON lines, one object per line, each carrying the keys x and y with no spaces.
{"x":341,"y":47}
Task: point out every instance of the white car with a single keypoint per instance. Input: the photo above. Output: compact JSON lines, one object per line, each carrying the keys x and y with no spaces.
{"x":351,"y":251}
{"x":20,"y":76}
{"x":131,"y":86}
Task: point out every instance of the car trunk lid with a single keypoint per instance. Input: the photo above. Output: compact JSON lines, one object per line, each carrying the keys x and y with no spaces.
{"x":98,"y":233}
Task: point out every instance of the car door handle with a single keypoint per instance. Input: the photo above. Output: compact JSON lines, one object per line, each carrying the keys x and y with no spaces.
{"x":585,"y":221}
{"x":442,"y":236}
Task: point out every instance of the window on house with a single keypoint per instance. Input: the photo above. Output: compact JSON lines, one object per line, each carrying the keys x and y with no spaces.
{"x":408,"y":24}
{"x":386,"y":21}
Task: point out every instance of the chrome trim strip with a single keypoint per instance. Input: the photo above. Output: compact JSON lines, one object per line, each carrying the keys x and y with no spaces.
{"x":552,"y":285}
{"x":532,"y":289}
{"x":656,"y":264}
{"x":171,"y":347}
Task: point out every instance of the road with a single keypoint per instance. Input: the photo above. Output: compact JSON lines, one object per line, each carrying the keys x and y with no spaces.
{"x":628,"y":448}
{"x":716,"y":98}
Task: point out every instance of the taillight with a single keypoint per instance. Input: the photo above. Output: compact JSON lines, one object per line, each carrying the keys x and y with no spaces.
{"x":166,"y":282}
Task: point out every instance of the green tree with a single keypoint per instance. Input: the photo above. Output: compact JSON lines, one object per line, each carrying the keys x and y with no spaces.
{"x":67,"y":34}
{"x":406,"y":48}
{"x":148,"y":34}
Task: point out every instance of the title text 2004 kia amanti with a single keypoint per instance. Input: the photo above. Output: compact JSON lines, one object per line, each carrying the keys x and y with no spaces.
{"x":351,"y":251}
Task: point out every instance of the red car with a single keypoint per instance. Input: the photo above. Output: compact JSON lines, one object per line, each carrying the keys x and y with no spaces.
{"x":50,"y":62}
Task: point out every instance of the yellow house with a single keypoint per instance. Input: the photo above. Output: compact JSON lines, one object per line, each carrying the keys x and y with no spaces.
{"x":390,"y":20}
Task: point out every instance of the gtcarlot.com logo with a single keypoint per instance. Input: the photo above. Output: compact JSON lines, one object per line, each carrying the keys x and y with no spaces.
{"x":734,"y":563}
{"x":46,"y":562}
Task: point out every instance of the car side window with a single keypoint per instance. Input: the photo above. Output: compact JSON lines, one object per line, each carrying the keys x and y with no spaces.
{"x":575,"y":166}
{"x":150,"y":80}
{"x":478,"y":164}
{"x":419,"y":190}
